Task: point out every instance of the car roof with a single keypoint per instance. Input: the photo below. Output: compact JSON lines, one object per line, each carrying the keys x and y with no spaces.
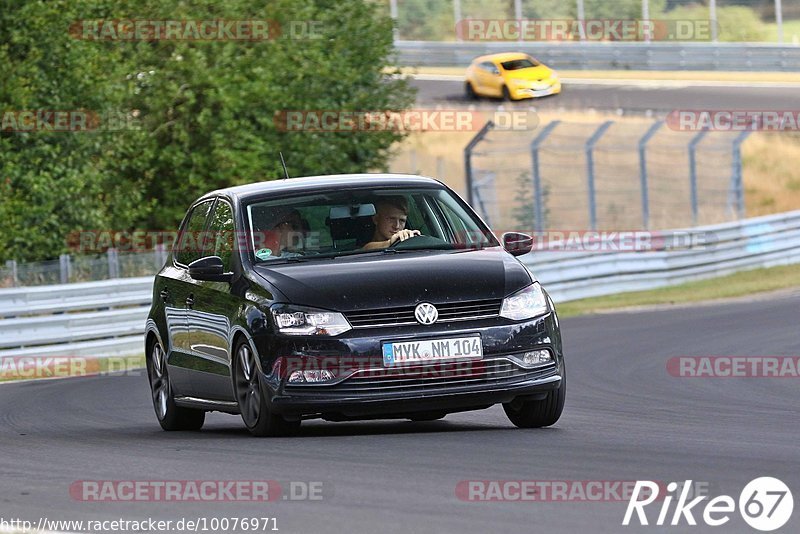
{"x":502,"y":56}
{"x":322,"y":183}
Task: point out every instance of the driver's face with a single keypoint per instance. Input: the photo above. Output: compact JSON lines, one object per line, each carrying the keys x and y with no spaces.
{"x":388,"y":221}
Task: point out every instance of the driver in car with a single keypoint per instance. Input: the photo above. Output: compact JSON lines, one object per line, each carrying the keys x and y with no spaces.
{"x":285,"y":236}
{"x":391,"y":216}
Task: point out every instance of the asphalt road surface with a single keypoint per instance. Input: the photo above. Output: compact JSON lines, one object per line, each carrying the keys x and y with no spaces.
{"x":626,"y":419}
{"x":656,"y":97}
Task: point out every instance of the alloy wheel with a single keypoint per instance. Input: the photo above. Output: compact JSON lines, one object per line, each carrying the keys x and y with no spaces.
{"x":159,"y":381}
{"x":248,"y":389}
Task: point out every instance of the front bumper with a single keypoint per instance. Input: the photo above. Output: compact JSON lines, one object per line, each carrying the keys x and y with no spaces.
{"x":376,"y":391}
{"x":445,"y":400}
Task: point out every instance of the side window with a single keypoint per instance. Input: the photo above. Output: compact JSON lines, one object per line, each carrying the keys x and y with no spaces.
{"x":220,"y":235}
{"x":490,"y":67}
{"x":454,"y":222}
{"x":416,"y":219}
{"x":462,"y":234}
{"x":188,"y":247}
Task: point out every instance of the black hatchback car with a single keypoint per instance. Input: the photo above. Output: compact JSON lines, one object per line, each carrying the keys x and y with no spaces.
{"x":348,"y":297}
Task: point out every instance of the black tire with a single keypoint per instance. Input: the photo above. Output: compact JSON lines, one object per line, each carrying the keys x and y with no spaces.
{"x":252,"y":399}
{"x":170,"y":416}
{"x":539,"y":413}
{"x":470,"y":91}
{"x":507,"y":94}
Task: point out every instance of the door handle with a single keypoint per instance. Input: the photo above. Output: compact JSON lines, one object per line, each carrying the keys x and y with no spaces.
{"x":164,"y":294}
{"x":190,"y":301}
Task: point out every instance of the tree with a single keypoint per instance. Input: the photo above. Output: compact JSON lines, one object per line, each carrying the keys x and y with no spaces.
{"x":53,"y":182}
{"x":205,"y":110}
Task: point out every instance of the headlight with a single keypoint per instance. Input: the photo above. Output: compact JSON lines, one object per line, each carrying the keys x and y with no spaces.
{"x":525,"y":304}
{"x":302,"y":321}
{"x":553,"y":75}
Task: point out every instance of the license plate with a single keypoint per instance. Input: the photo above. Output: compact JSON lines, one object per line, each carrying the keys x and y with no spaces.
{"x":426,"y":350}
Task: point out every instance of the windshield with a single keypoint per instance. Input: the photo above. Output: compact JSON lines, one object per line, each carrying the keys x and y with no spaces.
{"x":517,"y":64}
{"x":325,"y":225}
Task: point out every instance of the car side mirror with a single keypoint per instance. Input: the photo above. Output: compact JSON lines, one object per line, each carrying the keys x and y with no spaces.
{"x":209,"y":269}
{"x":517,"y":243}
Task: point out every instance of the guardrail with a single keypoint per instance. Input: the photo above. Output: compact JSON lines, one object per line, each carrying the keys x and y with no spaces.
{"x":610,"y":55}
{"x":104,"y":318}
{"x":107,"y":317}
{"x":748,"y":244}
{"x":39,"y":300}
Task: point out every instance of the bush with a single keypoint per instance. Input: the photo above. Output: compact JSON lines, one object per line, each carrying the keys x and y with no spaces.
{"x":734,"y":23}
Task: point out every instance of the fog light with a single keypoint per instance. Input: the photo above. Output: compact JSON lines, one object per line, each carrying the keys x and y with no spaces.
{"x":537,"y":357}
{"x":317,"y":375}
{"x":321,"y":375}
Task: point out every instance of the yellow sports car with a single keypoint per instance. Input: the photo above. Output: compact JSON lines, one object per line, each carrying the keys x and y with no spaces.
{"x":511,"y":76}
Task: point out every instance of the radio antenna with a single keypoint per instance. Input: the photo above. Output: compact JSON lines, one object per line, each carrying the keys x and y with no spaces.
{"x":285,"y":172}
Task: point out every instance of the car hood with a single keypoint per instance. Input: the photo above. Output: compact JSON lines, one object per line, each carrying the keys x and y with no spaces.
{"x":531,"y":73}
{"x":406,"y":278}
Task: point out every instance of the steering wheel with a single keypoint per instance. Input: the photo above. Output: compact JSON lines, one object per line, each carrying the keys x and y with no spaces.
{"x":393,"y":245}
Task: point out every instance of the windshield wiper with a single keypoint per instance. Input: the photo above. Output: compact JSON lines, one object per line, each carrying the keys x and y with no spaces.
{"x":395,"y":250}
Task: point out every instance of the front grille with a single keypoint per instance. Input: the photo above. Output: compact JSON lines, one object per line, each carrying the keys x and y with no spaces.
{"x":422,"y":378}
{"x":459,"y":311}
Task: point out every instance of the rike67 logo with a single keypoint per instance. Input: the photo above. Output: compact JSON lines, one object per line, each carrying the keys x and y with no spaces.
{"x":765,"y":504}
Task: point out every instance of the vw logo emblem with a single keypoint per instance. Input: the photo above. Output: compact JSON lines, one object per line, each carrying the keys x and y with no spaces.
{"x":426,"y":313}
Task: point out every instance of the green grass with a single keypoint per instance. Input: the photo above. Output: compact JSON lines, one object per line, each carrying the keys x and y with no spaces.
{"x":735,"y":285}
{"x":791,"y":31}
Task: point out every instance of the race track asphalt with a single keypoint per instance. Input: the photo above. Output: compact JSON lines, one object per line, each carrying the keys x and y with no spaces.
{"x":633,"y":98}
{"x":626,"y":418}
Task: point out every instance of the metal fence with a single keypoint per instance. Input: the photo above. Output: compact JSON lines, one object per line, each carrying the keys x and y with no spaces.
{"x":611,"y":55}
{"x":83,"y":268}
{"x":605,"y":176}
